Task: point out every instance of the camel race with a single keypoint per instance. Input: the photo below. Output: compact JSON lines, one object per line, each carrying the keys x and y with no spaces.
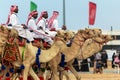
{"x":59,"y":40}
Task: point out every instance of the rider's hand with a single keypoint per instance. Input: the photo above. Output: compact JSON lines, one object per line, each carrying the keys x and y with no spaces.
{"x":24,"y":26}
{"x":52,"y":29}
{"x":46,"y":32}
{"x":31,"y":30}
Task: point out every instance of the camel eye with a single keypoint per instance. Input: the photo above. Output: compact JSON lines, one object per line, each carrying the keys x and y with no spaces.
{"x":9,"y":30}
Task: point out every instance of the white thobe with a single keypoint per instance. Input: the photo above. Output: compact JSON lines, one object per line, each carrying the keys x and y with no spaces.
{"x":38,"y":33}
{"x":43,"y":23}
{"x":55,"y":25}
{"x":22,"y":32}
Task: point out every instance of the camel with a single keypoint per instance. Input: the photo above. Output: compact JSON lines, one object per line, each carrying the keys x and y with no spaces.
{"x":62,"y":46}
{"x":87,"y":33}
{"x":29,"y":49}
{"x":71,"y":49}
{"x":29,"y":53}
{"x":83,"y":49}
{"x":31,"y":56}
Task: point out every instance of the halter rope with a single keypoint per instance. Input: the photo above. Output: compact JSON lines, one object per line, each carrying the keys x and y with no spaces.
{"x":79,"y":44}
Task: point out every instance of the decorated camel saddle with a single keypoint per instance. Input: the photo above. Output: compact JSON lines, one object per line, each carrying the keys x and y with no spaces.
{"x":11,"y":51}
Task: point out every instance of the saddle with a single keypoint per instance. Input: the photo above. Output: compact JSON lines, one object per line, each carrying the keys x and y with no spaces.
{"x":37,"y":43}
{"x":41,"y":44}
{"x":22,"y":41}
{"x":10,"y":53}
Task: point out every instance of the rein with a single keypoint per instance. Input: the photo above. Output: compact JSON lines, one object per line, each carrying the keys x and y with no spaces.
{"x":80,"y":44}
{"x":101,"y":43}
{"x":59,"y":39}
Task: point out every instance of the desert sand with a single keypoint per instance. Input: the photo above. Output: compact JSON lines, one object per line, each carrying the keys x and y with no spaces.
{"x":108,"y":74}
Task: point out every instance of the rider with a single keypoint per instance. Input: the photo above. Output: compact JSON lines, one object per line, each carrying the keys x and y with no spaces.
{"x":53,"y":22}
{"x":12,"y":22}
{"x":33,"y":28}
{"x":42,"y":24}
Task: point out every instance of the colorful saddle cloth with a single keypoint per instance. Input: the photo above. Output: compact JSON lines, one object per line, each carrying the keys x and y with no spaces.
{"x":11,"y":52}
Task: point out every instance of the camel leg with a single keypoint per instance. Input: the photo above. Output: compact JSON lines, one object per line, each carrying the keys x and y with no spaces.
{"x":15,"y":76}
{"x":115,"y":69}
{"x":32,"y":73}
{"x":61,"y":75}
{"x":53,"y":64}
{"x":4,"y":73}
{"x":25,"y":71}
{"x":47,"y":74}
{"x":27,"y":64}
{"x":54,"y":70}
{"x":118,"y":69}
{"x":73,"y":70}
{"x":66,"y":75}
{"x":63,"y":72}
{"x":55,"y":75}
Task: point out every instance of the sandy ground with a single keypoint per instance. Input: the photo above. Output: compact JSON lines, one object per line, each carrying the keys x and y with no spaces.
{"x":108,"y":74}
{"x":97,"y":76}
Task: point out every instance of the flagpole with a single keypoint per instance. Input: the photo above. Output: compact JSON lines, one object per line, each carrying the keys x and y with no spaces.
{"x":111,"y":35}
{"x":64,"y":17}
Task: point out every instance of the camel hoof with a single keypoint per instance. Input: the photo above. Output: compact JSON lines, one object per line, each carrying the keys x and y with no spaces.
{"x":78,"y":78}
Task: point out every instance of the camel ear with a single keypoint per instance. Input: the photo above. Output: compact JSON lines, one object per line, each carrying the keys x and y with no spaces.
{"x":2,"y":28}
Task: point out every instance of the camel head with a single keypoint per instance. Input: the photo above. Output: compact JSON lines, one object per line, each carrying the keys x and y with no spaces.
{"x":87,"y":33}
{"x":94,"y":44}
{"x":107,"y":38}
{"x":81,"y":34}
{"x":68,"y":35}
{"x":93,"y":32}
{"x":65,"y":35}
{"x":60,"y":33}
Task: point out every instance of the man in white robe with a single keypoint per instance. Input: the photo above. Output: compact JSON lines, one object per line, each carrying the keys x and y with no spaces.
{"x":14,"y":23}
{"x":42,"y":24}
{"x":53,"y":22}
{"x":33,"y":28}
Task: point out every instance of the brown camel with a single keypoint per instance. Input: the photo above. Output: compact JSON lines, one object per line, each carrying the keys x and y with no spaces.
{"x":80,"y":47}
{"x":29,"y":53}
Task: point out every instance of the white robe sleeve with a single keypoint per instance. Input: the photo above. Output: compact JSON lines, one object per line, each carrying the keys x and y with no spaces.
{"x":32,"y":24}
{"x":41,"y":23}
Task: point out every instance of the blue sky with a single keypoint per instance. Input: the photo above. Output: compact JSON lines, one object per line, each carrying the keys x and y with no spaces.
{"x":108,"y":12}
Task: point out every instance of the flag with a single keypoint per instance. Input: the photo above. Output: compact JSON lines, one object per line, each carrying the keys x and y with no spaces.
{"x":33,"y":6}
{"x":92,"y":13}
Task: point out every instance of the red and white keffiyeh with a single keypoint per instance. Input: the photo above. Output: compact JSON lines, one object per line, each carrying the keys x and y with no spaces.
{"x":54,"y":16}
{"x":31,"y":15}
{"x":12,"y":9}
